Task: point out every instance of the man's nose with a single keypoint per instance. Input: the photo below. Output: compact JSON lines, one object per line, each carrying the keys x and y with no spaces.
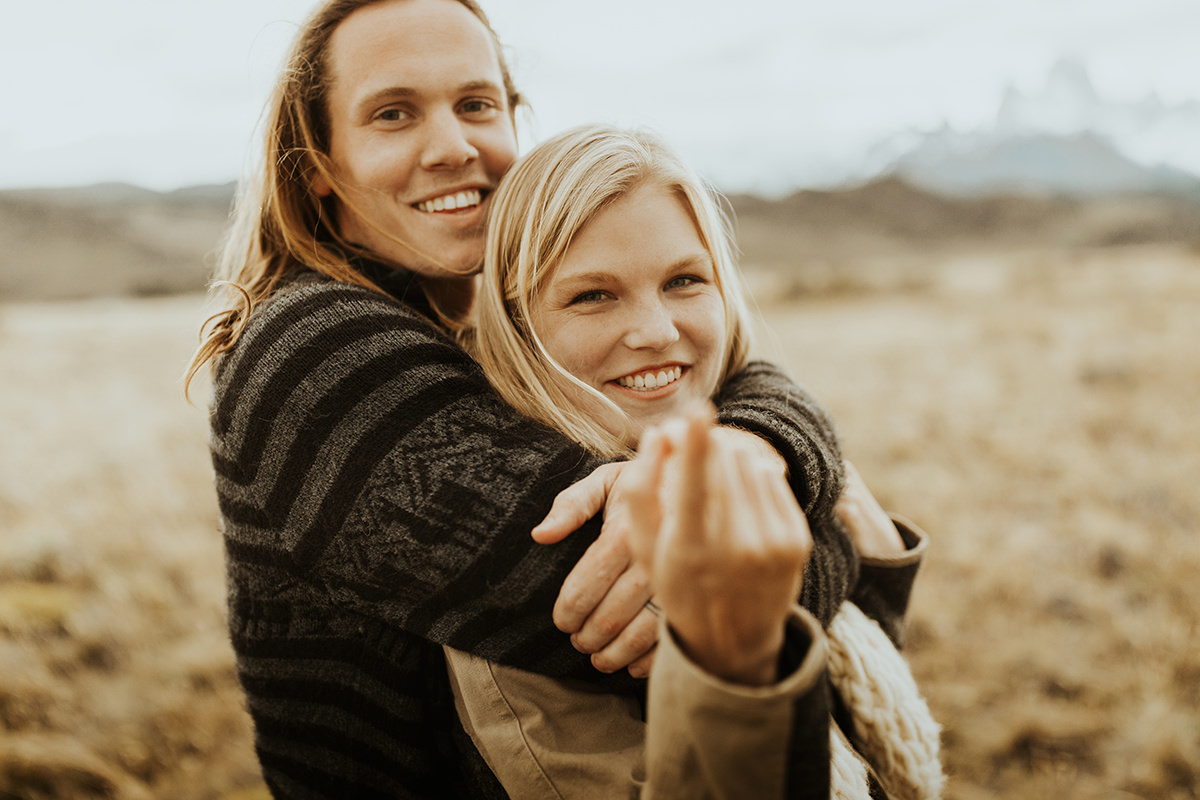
{"x":448,"y":144}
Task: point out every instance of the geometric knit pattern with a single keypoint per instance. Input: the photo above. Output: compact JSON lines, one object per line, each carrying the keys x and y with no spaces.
{"x":376,"y":500}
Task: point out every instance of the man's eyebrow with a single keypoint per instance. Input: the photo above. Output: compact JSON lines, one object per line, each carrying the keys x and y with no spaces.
{"x":404,"y":92}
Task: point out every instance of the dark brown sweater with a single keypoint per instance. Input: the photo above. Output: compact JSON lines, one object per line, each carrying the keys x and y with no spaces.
{"x":376,"y":500}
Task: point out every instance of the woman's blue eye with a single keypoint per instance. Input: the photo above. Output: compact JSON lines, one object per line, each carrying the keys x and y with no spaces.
{"x":588,"y":297}
{"x":682,"y":282}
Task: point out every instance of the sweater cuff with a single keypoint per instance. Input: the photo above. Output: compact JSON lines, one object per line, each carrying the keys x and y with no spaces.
{"x":707,"y":737}
{"x":916,"y":542}
{"x":801,"y":663}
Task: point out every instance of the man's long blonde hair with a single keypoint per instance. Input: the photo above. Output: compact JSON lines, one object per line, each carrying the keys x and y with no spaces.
{"x":539,"y":208}
{"x":280,"y":225}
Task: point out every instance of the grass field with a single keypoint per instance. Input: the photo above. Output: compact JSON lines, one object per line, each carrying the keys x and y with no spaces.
{"x":1035,"y":411}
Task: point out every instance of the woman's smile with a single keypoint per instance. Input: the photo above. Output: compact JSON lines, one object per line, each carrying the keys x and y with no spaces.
{"x":633,"y":309}
{"x":649,"y":380}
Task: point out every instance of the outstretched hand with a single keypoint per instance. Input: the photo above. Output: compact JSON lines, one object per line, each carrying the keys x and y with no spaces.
{"x":725,"y":548}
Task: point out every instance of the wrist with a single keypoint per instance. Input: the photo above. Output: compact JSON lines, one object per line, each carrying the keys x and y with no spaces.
{"x":735,"y":663}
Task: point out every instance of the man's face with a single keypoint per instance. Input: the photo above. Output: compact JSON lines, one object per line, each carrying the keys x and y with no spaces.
{"x":420,"y":132}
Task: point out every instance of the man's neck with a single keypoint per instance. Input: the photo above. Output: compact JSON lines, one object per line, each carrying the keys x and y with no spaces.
{"x":453,"y":297}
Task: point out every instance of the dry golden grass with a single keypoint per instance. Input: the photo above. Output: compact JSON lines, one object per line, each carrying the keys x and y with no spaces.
{"x":1034,"y":411}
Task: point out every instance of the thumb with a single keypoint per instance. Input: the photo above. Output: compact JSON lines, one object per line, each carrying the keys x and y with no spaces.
{"x":576,"y":504}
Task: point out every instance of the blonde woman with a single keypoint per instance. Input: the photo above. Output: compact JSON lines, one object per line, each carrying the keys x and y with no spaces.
{"x":610,"y":309}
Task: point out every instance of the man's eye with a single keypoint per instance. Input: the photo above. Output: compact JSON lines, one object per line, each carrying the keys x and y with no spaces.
{"x":478,"y":107}
{"x":391,"y":115}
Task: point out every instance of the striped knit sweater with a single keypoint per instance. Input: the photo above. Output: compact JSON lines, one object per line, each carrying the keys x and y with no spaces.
{"x":376,"y":500}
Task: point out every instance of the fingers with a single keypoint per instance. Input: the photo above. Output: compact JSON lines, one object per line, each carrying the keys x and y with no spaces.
{"x":577,"y":504}
{"x":596,"y":574}
{"x":642,"y":667}
{"x":633,"y":648}
{"x":640,"y":489}
{"x":619,"y":607}
{"x":870,"y":528}
{"x":692,"y":488}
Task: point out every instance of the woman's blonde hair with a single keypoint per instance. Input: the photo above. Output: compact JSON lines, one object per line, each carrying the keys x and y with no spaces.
{"x":280,"y":224}
{"x":541,"y":205}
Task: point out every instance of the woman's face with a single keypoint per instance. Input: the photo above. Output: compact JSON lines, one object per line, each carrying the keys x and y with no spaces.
{"x":420,"y":131}
{"x":634,"y":310}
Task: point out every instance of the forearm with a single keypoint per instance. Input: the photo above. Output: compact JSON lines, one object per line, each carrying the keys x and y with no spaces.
{"x":765,"y":401}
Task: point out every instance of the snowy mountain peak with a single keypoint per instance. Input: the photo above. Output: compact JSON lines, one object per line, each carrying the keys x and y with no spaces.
{"x":1067,"y":104}
{"x":1066,"y":138}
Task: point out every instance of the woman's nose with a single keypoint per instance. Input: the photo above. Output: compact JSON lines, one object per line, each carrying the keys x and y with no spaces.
{"x":652,"y":327}
{"x":447,"y":145}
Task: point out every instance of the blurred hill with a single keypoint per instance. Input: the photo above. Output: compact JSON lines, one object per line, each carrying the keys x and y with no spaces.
{"x":108,"y":240}
{"x":121,"y":240}
{"x":891,"y":216}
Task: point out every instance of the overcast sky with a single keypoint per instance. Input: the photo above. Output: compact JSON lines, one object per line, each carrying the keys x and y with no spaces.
{"x":165,"y":93}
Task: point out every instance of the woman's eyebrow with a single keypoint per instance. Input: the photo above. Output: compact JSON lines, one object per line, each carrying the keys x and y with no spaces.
{"x":698,"y":259}
{"x":583,"y":279}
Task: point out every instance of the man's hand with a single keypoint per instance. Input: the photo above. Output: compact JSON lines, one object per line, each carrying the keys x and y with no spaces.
{"x":602,"y":603}
{"x":871,"y":529}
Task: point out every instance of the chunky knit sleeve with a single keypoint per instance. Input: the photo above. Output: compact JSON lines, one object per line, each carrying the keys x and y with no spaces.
{"x":763,"y":400}
{"x":358,"y":450}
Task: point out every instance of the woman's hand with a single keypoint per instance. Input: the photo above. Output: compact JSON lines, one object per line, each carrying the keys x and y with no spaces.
{"x":871,"y":529}
{"x":725,"y":548}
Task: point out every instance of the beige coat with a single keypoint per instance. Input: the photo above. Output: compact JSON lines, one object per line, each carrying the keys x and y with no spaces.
{"x":700,"y":737}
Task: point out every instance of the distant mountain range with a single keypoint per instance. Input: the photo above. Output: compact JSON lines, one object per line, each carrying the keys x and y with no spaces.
{"x":1063,"y":140}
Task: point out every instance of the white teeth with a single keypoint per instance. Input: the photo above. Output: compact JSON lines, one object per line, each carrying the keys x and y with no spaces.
{"x":451,"y":202}
{"x":651,"y":380}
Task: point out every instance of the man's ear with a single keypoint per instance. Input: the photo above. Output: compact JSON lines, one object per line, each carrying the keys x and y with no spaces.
{"x":321,"y":186}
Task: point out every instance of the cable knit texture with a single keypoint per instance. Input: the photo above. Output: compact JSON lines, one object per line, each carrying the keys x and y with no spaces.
{"x":376,"y":501}
{"x":893,"y":728}
{"x":848,"y":774}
